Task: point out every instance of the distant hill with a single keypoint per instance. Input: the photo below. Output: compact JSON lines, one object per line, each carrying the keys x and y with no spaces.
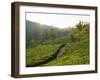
{"x":37,"y":32}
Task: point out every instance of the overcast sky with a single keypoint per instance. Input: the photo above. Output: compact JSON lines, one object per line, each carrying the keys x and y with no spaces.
{"x":56,"y":20}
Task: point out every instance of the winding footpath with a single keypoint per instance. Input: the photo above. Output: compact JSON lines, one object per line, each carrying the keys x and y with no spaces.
{"x":54,"y":56}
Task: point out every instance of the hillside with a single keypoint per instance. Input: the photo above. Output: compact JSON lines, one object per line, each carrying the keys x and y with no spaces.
{"x":40,"y":33}
{"x":43,"y":41}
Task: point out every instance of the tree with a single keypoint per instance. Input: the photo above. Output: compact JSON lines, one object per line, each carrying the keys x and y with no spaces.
{"x":79,"y":26}
{"x":72,"y":38}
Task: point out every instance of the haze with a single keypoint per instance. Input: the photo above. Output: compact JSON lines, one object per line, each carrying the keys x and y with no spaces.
{"x":56,"y":20}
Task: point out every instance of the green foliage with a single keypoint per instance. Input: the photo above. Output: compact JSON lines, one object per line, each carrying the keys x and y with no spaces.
{"x":42,"y":33}
{"x":73,"y":38}
{"x":75,"y":53}
{"x":40,"y":53}
{"x":79,"y":26}
{"x":82,"y":25}
{"x":43,"y":41}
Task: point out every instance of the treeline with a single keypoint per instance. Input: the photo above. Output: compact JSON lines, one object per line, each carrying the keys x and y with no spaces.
{"x":81,"y":29}
{"x":36,"y":33}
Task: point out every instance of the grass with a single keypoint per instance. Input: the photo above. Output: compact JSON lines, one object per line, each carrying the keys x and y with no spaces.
{"x":39,"y":53}
{"x":75,"y":54}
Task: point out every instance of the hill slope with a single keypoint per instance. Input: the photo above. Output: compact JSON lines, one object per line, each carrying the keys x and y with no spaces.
{"x":43,"y":41}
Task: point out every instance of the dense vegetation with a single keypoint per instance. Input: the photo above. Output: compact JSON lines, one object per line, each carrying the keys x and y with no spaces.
{"x":42,"y":41}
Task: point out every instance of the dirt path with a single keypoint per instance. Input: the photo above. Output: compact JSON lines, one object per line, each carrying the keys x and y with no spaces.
{"x":57,"y":54}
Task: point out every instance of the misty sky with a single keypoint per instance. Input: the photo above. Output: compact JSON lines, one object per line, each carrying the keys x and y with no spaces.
{"x":56,"y":20}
